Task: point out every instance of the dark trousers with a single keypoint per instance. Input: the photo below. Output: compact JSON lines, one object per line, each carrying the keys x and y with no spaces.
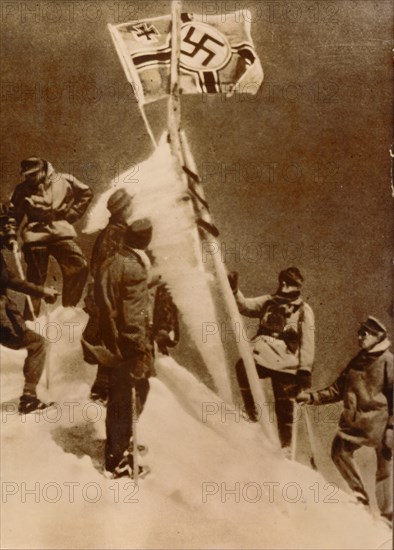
{"x":285,"y":389}
{"x":101,"y":383}
{"x":71,"y":261}
{"x":35,"y":360}
{"x":92,"y":335}
{"x":119,"y":413}
{"x":342,"y":452}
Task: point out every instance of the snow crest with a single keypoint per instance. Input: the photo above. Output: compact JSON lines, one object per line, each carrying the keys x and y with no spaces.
{"x":209,"y":469}
{"x":160,"y":194}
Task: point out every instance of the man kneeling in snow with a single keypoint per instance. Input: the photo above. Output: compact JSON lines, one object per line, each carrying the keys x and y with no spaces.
{"x":14,"y":333}
{"x":122,"y":296}
{"x":366,"y":388}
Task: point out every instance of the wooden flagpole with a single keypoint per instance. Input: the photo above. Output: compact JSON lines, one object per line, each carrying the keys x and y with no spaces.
{"x":182,"y":152}
{"x":174,"y":105}
{"x":232,"y":308}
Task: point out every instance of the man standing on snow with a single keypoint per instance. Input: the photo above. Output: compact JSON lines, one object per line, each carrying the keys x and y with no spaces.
{"x":366,"y":388}
{"x":45,"y":205}
{"x":108,"y":242}
{"x":283,"y":347}
{"x":122,"y":296}
{"x":164,"y":326}
{"x":14,"y":333}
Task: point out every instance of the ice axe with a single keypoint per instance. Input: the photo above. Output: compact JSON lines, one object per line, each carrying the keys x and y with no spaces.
{"x":294,"y":434}
{"x":18,"y":263}
{"x":311,"y":438}
{"x":107,"y":358}
{"x":49,"y":354}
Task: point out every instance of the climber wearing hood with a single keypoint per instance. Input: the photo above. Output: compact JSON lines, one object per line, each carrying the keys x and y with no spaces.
{"x":45,"y":207}
{"x":366,"y":388}
{"x":283,"y":348}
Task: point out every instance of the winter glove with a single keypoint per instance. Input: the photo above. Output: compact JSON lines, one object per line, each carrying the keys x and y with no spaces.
{"x":72,"y":216}
{"x":233,"y":277}
{"x":164,"y":341}
{"x":304,"y":379}
{"x":138,"y":366}
{"x":90,"y":306}
{"x":11,"y":244}
{"x":387,"y":444}
{"x":304,"y":398}
{"x":50,"y":295}
{"x":290,"y":336}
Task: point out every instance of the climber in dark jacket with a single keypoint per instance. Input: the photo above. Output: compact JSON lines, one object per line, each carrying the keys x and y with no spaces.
{"x":366,"y":388}
{"x":107,"y":243}
{"x":122,"y":296}
{"x":163,"y":320}
{"x":14,"y":333}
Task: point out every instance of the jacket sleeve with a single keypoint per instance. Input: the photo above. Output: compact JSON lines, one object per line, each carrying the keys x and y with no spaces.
{"x":95,"y":260}
{"x":388,"y":388}
{"x":16,"y":208}
{"x":83,"y":195}
{"x":106,"y":298}
{"x":332,"y":393}
{"x":134,"y":302}
{"x":11,"y":281}
{"x":19,"y":285}
{"x":307,"y":344}
{"x":165,"y":313}
{"x":250,"y":307}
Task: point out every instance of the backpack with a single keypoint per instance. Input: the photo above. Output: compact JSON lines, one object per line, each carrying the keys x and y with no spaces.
{"x":274,"y":322}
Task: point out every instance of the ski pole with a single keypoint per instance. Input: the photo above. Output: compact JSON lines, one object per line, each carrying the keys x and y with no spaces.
{"x":48,"y":358}
{"x":311,"y":438}
{"x":294,"y":435}
{"x":48,"y":355}
{"x":19,"y":268}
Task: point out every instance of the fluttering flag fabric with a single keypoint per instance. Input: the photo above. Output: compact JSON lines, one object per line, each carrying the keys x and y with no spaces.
{"x":216,"y":56}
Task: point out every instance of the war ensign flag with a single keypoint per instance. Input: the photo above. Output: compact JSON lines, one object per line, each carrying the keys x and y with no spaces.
{"x":215,"y":57}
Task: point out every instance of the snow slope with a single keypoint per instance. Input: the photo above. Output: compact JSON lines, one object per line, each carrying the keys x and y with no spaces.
{"x":212,"y":480}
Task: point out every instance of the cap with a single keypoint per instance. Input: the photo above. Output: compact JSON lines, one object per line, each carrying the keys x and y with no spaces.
{"x":119,"y":200}
{"x":373,"y":326}
{"x":139,"y":234}
{"x":31,"y":165}
{"x":292,"y":276}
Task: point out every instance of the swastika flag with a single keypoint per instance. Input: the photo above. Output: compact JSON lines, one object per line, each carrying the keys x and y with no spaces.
{"x":216,"y":56}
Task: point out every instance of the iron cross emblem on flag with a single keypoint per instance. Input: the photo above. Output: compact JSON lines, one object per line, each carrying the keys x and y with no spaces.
{"x":145,"y":32}
{"x":215,"y":56}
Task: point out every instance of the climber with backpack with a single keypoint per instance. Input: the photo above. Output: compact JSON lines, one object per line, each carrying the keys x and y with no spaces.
{"x":283,"y":348}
